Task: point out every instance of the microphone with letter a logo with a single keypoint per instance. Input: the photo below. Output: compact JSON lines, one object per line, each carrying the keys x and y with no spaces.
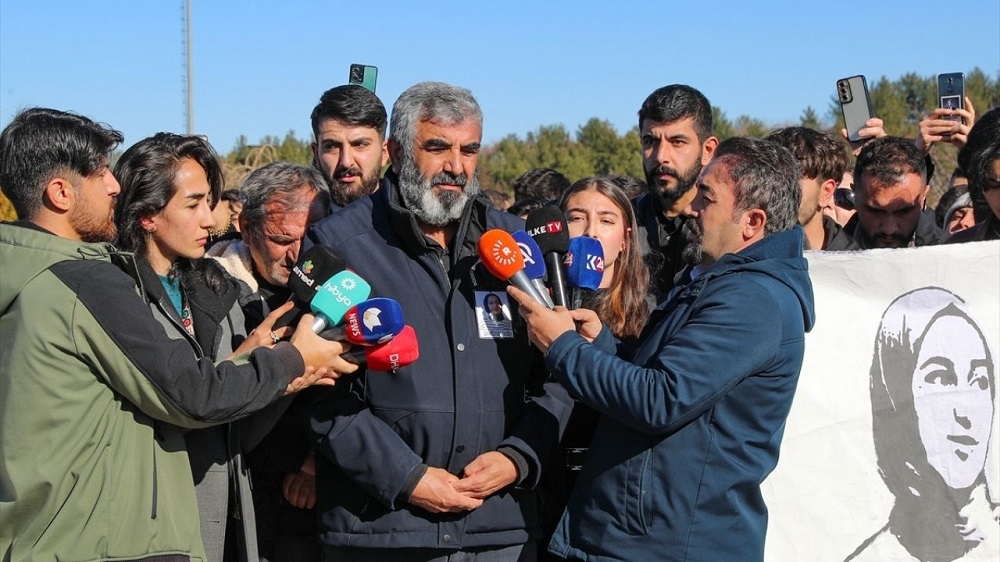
{"x":502,"y":257}
{"x":374,"y":321}
{"x":534,"y":264}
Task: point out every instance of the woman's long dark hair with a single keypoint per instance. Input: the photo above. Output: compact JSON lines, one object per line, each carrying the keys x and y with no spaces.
{"x":623,"y":305}
{"x":146,"y":172}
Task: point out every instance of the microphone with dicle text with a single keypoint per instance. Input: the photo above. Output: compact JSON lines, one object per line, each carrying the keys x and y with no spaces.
{"x":314,"y":267}
{"x":400,"y":351}
{"x":372,"y":322}
{"x":335,"y":297}
{"x":534,"y":267}
{"x":502,"y":257}
{"x":548,"y":227}
{"x":584,"y":263}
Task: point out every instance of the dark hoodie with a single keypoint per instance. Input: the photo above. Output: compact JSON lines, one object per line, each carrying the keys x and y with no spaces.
{"x":692,"y":425}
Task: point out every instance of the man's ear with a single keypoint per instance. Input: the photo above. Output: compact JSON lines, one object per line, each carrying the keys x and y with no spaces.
{"x":826,"y":190}
{"x":393,"y":148}
{"x":754,"y":225}
{"x":385,"y":152}
{"x":59,"y":194}
{"x":708,"y":150}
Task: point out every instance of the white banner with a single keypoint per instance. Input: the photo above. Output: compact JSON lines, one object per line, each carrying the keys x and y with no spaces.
{"x":891,"y":448}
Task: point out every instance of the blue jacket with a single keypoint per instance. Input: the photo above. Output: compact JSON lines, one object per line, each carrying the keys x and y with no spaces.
{"x":464,"y":396}
{"x":692,"y":425}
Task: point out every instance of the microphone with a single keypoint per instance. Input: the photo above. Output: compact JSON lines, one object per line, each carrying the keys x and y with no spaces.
{"x":584,"y":267}
{"x":548,"y":227}
{"x":374,"y":321}
{"x":398,"y":352}
{"x":502,"y":258}
{"x":335,"y":297}
{"x":314,"y":267}
{"x":534,"y":267}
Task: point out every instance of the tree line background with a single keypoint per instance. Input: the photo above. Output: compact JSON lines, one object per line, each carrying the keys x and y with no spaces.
{"x":596,"y":148}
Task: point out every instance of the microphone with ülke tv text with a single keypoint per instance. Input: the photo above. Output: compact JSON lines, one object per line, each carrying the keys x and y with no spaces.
{"x":548,"y":227}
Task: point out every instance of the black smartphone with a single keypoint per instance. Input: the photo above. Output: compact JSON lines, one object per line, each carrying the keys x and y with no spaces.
{"x":852,"y":93}
{"x":363,"y":75}
{"x":951,"y":93}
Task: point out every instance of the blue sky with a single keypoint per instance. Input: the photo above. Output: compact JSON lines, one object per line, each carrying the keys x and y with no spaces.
{"x":260,"y":67}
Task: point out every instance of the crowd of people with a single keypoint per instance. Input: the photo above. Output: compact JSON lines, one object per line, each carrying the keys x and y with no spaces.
{"x":155,"y":405}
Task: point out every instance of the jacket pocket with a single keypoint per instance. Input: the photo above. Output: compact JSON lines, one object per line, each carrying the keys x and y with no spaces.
{"x":638,"y":510}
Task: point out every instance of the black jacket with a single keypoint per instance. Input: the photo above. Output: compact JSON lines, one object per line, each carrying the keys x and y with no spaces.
{"x":835,"y":238}
{"x":465,"y":395}
{"x":662,"y":242}
{"x":927,"y":233}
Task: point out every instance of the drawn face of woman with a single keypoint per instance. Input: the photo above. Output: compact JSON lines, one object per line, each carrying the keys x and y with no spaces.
{"x":952,"y":398}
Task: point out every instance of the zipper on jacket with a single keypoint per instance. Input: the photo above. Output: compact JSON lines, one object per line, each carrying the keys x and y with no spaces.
{"x":234,"y":468}
{"x":155,"y":491}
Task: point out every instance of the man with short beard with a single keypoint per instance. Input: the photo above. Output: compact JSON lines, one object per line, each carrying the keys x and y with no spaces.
{"x":675,"y":128}
{"x":437,"y":457}
{"x":890,"y":186}
{"x":692,"y":421}
{"x":350,"y":146}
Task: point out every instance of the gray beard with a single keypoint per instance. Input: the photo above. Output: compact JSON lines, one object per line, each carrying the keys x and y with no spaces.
{"x":440,"y":210}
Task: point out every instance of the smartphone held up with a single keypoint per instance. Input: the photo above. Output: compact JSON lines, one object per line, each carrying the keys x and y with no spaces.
{"x":363,"y":75}
{"x":951,"y":93}
{"x":852,"y":93}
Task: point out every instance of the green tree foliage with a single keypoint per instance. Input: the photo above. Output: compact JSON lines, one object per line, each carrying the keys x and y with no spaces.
{"x":721,"y":125}
{"x":598,"y":149}
{"x":595,"y":149}
{"x":811,"y":119}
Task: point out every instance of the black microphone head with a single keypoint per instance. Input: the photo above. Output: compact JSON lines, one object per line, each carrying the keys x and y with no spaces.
{"x":548,"y":227}
{"x":315,"y":266}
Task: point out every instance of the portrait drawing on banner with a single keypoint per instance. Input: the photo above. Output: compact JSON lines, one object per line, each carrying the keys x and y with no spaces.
{"x":933,"y":401}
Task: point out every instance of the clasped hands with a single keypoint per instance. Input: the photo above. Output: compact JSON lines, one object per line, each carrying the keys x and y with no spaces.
{"x":440,"y":491}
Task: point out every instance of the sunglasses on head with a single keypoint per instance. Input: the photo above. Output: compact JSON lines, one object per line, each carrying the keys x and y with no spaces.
{"x":843,"y":198}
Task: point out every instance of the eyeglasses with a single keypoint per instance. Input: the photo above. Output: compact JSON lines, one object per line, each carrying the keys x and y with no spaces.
{"x":843,"y":198}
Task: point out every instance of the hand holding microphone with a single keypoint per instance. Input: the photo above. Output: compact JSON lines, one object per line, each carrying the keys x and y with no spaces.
{"x":322,"y":358}
{"x":502,"y":258}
